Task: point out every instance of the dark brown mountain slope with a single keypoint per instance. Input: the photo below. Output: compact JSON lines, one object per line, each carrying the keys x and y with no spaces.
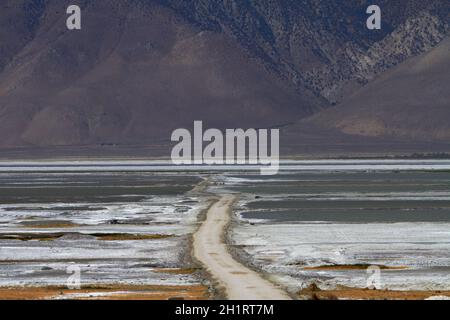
{"x":140,"y":68}
{"x":134,"y":73}
{"x":412,"y":101}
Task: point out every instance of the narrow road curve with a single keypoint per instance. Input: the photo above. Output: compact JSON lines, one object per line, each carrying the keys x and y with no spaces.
{"x":238,"y":281}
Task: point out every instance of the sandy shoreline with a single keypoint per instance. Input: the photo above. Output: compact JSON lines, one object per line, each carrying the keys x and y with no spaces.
{"x":238,"y":281}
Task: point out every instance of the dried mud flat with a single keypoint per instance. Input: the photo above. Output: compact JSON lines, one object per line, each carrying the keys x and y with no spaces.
{"x":108,"y":292}
{"x":132,"y":238}
{"x":354,"y":267}
{"x":347,"y":293}
{"x":128,"y":234}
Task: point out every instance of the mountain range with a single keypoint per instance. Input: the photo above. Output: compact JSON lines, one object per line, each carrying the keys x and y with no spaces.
{"x":138,"y":69}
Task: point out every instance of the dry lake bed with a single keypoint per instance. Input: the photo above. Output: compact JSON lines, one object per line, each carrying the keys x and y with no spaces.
{"x":126,"y":227}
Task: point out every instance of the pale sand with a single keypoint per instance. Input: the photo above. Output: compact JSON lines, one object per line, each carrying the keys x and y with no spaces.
{"x":238,"y":281}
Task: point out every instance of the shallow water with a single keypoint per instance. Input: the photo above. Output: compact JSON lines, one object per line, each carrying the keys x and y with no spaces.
{"x":328,"y":217}
{"x":73,"y":208}
{"x":313,"y":213}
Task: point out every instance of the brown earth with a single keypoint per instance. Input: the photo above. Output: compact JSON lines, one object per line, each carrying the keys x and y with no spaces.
{"x":175,"y":270}
{"x":353,"y":267}
{"x":342,"y":292}
{"x":49,"y":224}
{"x":112,"y":292}
{"x":99,"y":236}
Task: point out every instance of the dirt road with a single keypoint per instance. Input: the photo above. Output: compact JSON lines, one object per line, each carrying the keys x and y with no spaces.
{"x":238,"y":281}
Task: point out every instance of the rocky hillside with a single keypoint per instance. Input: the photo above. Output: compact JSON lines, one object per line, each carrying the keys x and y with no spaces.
{"x":325,"y":45}
{"x":411,"y":101}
